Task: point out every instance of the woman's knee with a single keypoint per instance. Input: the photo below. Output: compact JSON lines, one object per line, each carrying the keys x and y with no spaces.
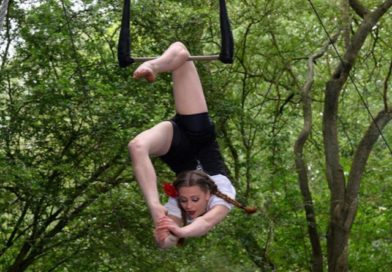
{"x":181,"y":49}
{"x":154,"y":141}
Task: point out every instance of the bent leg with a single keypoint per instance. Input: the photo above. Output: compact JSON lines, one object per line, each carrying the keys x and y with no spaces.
{"x":152,"y":142}
{"x":187,"y":88}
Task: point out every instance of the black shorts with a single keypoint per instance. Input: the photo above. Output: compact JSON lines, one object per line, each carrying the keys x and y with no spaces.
{"x":194,"y":144}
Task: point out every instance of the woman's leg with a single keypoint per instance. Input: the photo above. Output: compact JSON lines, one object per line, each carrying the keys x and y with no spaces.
{"x":152,"y":142}
{"x":188,"y":92}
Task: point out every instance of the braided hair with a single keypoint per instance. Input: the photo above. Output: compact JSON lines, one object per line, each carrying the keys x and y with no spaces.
{"x":206,"y":184}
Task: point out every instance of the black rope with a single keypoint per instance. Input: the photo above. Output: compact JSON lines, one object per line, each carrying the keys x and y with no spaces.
{"x":350,"y":76}
{"x":124,"y":42}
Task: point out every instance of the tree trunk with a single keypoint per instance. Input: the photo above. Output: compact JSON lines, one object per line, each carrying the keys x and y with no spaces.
{"x":301,"y":164}
{"x":343,"y":202}
{"x":342,"y":216}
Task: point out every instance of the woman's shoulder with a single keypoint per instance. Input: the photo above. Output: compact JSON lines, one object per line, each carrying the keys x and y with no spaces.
{"x":219,"y":177}
{"x":224,"y":185}
{"x":222,"y":182}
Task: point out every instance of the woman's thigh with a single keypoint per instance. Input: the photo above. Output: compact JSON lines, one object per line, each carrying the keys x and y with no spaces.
{"x":188,"y":91}
{"x":157,"y":140}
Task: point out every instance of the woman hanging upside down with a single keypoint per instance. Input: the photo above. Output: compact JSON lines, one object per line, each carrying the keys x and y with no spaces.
{"x":201,"y":195}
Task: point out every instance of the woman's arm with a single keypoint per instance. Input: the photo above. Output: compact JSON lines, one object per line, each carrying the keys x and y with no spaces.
{"x":200,"y":226}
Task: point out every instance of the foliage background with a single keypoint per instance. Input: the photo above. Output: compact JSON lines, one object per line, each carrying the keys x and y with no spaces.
{"x":67,"y":112}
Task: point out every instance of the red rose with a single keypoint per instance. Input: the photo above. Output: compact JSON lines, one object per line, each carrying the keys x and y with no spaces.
{"x":170,"y":190}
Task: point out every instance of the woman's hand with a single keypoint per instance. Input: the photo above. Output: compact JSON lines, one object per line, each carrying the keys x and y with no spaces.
{"x":161,"y":235}
{"x":166,"y":223}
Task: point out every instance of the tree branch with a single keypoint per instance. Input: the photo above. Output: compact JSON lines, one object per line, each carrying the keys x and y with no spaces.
{"x":358,"y":40}
{"x":358,"y":8}
{"x":385,"y":93}
{"x":3,"y":12}
{"x":300,"y":163}
{"x":346,"y":23}
{"x":362,"y":154}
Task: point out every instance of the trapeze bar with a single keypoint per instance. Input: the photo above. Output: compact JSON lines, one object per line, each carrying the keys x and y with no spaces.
{"x":198,"y":58}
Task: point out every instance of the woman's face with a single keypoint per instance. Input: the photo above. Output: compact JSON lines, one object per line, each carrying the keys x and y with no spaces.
{"x":193,"y":200}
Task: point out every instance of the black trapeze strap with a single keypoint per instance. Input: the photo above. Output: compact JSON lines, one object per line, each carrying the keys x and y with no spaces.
{"x":124,"y":42}
{"x":227,"y":43}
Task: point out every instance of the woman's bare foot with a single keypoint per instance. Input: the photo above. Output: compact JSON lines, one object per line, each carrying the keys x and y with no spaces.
{"x":145,"y":71}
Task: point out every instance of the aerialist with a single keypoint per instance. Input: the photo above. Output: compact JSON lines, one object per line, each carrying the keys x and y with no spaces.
{"x":201,"y":195}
